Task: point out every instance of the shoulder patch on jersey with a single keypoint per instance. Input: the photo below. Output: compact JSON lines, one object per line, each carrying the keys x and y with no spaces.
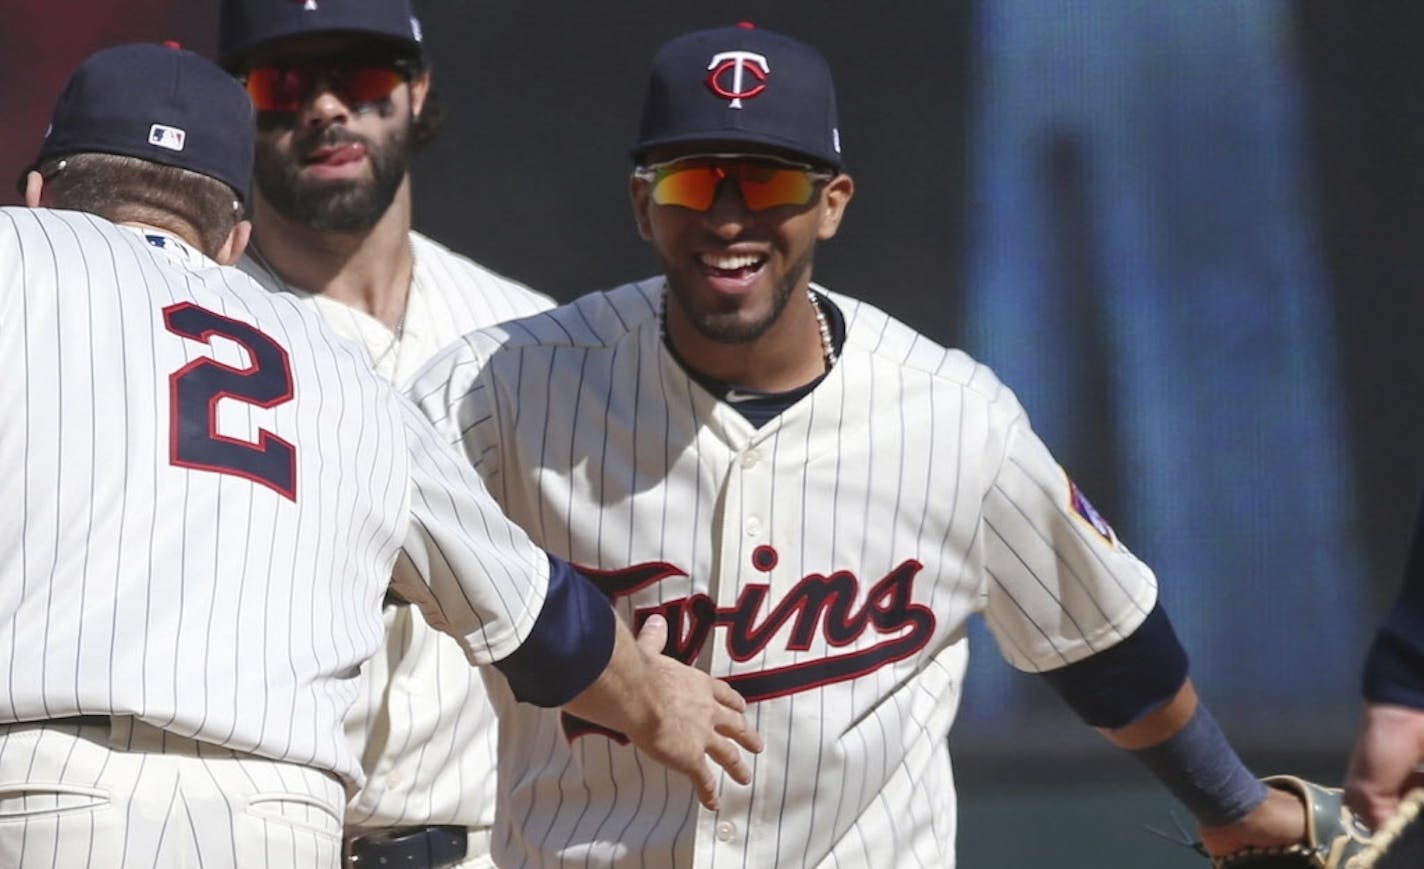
{"x":1079,"y":502}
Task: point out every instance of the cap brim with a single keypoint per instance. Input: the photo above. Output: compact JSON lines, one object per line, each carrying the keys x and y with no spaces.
{"x":736,"y":137}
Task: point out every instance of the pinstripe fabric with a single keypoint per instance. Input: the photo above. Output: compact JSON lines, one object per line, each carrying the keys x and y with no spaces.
{"x":826,"y":564}
{"x":73,"y":795}
{"x":422,"y":726}
{"x":210,"y":604}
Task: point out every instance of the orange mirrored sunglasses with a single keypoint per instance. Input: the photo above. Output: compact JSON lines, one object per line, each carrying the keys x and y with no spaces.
{"x":287,"y":88}
{"x":763,"y":181}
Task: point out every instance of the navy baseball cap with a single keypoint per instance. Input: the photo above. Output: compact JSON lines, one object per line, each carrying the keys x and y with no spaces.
{"x":244,"y":26}
{"x":159,"y":103}
{"x":741,"y":84}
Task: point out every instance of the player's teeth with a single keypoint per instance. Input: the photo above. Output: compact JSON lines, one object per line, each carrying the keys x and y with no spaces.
{"x":729,"y":263}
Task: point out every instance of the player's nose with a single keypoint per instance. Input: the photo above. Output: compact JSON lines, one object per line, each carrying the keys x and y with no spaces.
{"x":324,"y":107}
{"x":728,"y":215}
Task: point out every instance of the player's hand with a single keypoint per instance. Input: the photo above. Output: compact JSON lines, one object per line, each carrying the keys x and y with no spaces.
{"x":1277,"y":822}
{"x":1383,"y":765}
{"x":698,"y":717}
{"x":1309,"y":818}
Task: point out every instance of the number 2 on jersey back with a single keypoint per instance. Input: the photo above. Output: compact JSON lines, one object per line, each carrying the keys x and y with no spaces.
{"x":196,"y":388}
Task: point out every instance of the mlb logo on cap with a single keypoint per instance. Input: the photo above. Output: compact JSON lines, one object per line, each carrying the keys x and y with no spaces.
{"x":166,"y":137}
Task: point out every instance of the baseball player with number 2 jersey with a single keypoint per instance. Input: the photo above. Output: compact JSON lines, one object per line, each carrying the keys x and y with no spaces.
{"x":213,"y":492}
{"x":814,"y":496}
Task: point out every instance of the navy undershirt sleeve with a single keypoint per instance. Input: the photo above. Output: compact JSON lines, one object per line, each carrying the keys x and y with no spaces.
{"x":1394,"y":670}
{"x":1120,"y":684}
{"x":570,"y":644}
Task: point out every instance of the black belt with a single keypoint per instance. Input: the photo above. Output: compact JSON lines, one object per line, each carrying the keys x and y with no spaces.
{"x":416,"y":847}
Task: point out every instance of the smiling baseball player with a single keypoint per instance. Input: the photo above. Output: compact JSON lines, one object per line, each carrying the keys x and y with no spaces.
{"x":816,"y":499}
{"x":344,"y":100}
{"x":209,"y":492}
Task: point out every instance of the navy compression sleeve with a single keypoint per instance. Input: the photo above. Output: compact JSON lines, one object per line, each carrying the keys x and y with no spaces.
{"x":570,"y":644}
{"x":1120,"y":684}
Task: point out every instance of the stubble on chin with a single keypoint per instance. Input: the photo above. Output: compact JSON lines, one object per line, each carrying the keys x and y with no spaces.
{"x":334,"y":206}
{"x":731,"y":327}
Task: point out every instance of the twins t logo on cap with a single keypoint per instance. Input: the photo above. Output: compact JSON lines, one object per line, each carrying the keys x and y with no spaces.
{"x":737,"y":66}
{"x":165,"y":136}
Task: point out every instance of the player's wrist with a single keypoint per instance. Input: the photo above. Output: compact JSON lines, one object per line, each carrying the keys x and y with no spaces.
{"x":1201,"y":769}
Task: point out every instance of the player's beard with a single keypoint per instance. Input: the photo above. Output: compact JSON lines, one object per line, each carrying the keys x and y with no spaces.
{"x":333,"y":206}
{"x":729,"y":328}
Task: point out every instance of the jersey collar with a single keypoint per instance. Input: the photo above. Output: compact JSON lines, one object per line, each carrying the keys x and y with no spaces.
{"x":170,"y":244}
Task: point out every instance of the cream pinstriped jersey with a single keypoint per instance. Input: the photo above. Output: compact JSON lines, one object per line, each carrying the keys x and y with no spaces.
{"x":209,"y":493}
{"x":422,"y":726}
{"x":825,"y":564}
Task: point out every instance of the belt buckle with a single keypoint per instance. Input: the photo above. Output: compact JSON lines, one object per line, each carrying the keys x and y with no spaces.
{"x":429,"y":847}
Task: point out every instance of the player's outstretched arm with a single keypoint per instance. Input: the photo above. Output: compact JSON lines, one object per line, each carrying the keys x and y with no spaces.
{"x":1382,"y":766}
{"x":677,"y":715}
{"x":1242,"y":821}
{"x":1187,"y":753}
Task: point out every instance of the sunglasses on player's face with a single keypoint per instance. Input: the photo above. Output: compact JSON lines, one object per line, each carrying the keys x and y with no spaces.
{"x":763,"y":181}
{"x":287,"y":87}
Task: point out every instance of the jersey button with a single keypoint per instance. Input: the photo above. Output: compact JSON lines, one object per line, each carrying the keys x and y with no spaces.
{"x":753,"y":526}
{"x":393,"y":779}
{"x":750,"y":459}
{"x":726,"y":831}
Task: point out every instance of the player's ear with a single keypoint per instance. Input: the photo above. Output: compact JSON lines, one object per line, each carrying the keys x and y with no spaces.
{"x":638,"y":194}
{"x":835,"y":196}
{"x":34,"y":189}
{"x":419,"y":91}
{"x":236,"y":243}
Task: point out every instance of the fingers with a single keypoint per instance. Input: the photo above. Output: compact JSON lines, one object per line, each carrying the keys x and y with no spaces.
{"x":653,"y":635}
{"x":728,"y":696}
{"x":1370,"y":801}
{"x":731,"y":733}
{"x":705,"y":784}
{"x":734,"y":725}
{"x":702,"y":718}
{"x":1372,"y":792}
{"x":1373,"y":806}
{"x":1383,"y":761}
{"x":726,"y":754}
{"x":736,"y":734}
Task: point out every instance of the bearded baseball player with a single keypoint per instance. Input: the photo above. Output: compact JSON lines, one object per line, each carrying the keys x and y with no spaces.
{"x":343,"y":98}
{"x":816,"y":499}
{"x":210,"y":492}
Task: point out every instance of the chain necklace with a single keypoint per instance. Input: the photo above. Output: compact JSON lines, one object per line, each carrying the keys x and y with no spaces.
{"x":828,"y":344}
{"x":396,"y":335}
